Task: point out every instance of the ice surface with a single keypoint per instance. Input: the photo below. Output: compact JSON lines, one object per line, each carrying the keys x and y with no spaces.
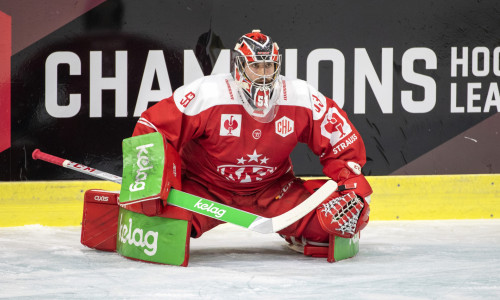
{"x":397,"y":260}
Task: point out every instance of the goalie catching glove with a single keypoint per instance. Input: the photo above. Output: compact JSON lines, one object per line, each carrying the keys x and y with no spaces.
{"x":344,"y":215}
{"x":346,"y":211}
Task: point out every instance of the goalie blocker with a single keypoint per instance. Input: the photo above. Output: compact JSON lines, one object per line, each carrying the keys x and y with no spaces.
{"x":151,"y":167}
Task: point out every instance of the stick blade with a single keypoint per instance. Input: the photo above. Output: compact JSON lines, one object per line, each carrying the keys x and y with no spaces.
{"x":262,"y":225}
{"x":293,"y":215}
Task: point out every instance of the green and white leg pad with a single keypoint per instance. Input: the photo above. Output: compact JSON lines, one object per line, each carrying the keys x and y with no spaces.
{"x":153,"y":239}
{"x":338,"y":248}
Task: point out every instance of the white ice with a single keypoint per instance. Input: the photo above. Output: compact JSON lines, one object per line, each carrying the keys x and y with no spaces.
{"x":397,"y":260}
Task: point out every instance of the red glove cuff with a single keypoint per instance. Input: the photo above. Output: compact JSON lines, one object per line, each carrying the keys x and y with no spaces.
{"x":358,"y":184}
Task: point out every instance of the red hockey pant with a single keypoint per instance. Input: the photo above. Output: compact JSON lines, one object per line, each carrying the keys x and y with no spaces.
{"x":273,"y":200}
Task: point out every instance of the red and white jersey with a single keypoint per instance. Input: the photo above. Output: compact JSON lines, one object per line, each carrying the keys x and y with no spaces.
{"x":222,"y":144}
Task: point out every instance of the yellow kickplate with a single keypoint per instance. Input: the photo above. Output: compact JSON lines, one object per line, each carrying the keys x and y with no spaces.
{"x":434,"y":197}
{"x":437,"y":197}
{"x":50,"y":203}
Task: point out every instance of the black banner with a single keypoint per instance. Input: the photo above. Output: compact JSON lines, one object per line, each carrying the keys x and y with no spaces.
{"x":419,"y":79}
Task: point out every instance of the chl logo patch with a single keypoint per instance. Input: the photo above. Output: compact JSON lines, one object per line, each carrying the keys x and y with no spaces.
{"x":230,"y":125}
{"x":284,"y":126}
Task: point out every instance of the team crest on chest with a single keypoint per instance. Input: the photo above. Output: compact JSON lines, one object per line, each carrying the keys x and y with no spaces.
{"x":230,"y":125}
{"x":251,"y":167}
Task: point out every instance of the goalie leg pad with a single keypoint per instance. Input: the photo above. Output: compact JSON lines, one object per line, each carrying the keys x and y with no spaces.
{"x":100,"y":220}
{"x":108,"y":227}
{"x":158,"y":239}
{"x":336,"y":249}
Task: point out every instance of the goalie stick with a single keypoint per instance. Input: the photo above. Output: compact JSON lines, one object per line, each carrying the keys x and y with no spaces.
{"x":37,"y":154}
{"x":210,"y":208}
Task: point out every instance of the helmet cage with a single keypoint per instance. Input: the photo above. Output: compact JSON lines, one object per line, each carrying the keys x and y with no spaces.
{"x":259,"y":87}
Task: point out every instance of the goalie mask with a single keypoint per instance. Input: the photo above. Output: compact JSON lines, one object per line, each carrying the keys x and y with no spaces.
{"x":257,"y":65}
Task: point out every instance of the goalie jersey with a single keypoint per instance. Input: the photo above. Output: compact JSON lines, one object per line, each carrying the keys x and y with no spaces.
{"x":222,"y":144}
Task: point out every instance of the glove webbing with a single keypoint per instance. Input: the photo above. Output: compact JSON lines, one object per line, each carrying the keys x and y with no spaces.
{"x":344,"y":210}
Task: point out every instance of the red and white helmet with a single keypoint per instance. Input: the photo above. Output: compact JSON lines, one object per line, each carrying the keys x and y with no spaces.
{"x":260,"y":89}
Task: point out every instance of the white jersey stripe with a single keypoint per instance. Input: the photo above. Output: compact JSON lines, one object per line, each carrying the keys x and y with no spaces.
{"x":145,"y":122}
